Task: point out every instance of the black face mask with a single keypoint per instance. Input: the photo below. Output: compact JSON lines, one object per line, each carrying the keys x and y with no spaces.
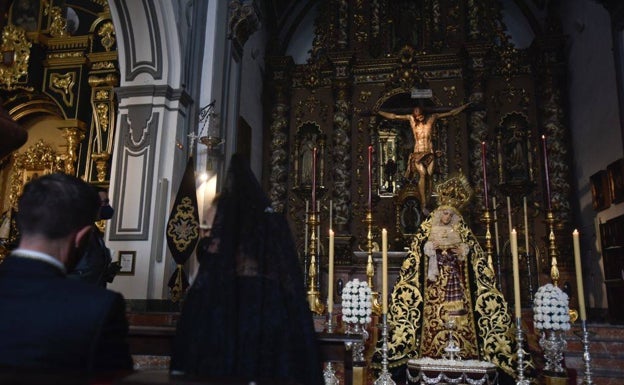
{"x":106,"y":212}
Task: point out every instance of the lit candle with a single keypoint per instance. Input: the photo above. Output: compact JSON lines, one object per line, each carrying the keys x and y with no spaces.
{"x":370,"y":178}
{"x":546,"y":172}
{"x":526,"y":226}
{"x":509,"y":214}
{"x":330,"y":279}
{"x":495,"y":226}
{"x":516,"y":272}
{"x":314,"y":178}
{"x":579,"y":275}
{"x":384,"y":271}
{"x":483,"y":164}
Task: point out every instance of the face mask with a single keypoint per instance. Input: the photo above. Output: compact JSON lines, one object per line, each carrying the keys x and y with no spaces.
{"x":106,"y":212}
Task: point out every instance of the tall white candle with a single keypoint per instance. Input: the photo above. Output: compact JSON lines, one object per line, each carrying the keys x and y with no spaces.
{"x":384,"y":270}
{"x":516,"y":272}
{"x":496,"y":238}
{"x":526,"y":226}
{"x":509,"y":214}
{"x":579,"y":274}
{"x":330,"y":278}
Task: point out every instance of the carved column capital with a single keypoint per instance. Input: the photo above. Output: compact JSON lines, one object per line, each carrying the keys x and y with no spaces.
{"x":244,"y":21}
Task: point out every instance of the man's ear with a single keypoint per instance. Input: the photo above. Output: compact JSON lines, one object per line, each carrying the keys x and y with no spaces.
{"x":82,"y":236}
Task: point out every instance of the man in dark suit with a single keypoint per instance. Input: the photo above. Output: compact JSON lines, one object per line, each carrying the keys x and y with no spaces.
{"x":49,"y":323}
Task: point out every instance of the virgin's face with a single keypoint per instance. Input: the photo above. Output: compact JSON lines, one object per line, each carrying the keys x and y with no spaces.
{"x":446,"y":217}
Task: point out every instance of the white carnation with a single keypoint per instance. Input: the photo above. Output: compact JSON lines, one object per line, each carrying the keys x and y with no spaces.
{"x":551,"y":309}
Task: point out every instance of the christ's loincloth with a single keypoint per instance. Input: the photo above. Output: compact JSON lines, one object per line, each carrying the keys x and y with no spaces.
{"x":424,"y":158}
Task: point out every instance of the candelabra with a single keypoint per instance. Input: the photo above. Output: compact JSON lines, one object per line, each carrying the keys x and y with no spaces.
{"x":587,"y":374}
{"x":529,"y":276}
{"x":521,"y":380}
{"x":384,"y":377}
{"x":552,"y":248}
{"x":370,"y":268}
{"x":451,"y":349}
{"x":489,"y":250}
{"x":329,"y":374}
{"x":313,"y":294}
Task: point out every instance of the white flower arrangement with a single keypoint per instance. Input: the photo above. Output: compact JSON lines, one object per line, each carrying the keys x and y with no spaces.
{"x":550,"y":309}
{"x":356,"y":302}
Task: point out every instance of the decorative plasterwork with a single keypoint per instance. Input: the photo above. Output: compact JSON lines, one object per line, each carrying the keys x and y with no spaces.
{"x":58,"y":25}
{"x":63,"y":85}
{"x":15,"y":55}
{"x":39,"y":159}
{"x":244,"y":21}
{"x":106,"y":32}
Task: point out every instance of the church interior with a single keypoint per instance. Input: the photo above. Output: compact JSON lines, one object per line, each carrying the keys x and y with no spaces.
{"x":524,"y":158}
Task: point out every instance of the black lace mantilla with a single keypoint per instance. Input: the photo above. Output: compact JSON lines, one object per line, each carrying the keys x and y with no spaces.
{"x":246,"y":314}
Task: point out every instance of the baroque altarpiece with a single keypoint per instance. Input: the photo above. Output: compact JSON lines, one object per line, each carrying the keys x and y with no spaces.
{"x":59,"y":64}
{"x":386,"y":55}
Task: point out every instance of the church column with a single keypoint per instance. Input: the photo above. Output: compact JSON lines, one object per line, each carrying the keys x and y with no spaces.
{"x":243,"y":21}
{"x":341,"y":141}
{"x":103,"y":104}
{"x":151,"y":144}
{"x":281,"y":68}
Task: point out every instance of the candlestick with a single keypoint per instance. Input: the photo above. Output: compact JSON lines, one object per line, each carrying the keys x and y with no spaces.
{"x":318,"y":229}
{"x":384,"y":270}
{"x":546,"y":172}
{"x":516,"y":272}
{"x":370,"y":177}
{"x":526,"y":226}
{"x":330,"y":278}
{"x":314,"y":178}
{"x":509,"y":214}
{"x":496,"y":238}
{"x":305,"y":244}
{"x":579,"y":274}
{"x":483,"y":164}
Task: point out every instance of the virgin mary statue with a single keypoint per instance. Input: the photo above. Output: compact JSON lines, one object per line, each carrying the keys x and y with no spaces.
{"x":445,"y":283}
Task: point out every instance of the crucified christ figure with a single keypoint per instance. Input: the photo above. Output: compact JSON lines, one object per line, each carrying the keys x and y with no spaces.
{"x":421,"y":160}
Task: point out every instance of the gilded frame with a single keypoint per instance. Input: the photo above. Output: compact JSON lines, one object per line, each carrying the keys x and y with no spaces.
{"x":616,"y":180}
{"x":39,"y":159}
{"x":601,"y":196}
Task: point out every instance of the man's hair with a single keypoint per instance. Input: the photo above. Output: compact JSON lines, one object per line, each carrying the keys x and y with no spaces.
{"x":54,"y":205}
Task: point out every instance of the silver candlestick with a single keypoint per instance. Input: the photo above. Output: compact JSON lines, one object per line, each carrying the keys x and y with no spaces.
{"x":384,"y":377}
{"x":451,"y":349}
{"x":587,"y":375}
{"x":329,"y":374}
{"x":519,"y":337}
